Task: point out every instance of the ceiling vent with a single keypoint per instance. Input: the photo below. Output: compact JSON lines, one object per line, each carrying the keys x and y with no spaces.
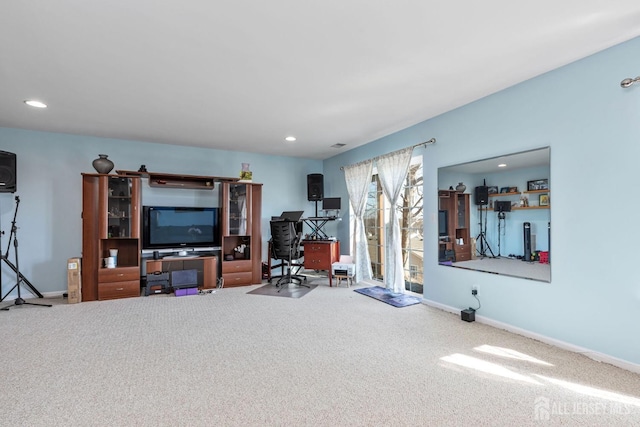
{"x":338,"y":145}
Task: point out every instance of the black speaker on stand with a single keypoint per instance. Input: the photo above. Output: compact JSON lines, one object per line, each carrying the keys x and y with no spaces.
{"x":8,"y":169}
{"x":482,"y":195}
{"x":526,"y":227}
{"x":482,"y":199}
{"x":315,"y":187}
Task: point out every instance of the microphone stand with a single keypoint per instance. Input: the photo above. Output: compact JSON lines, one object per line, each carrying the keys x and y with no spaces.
{"x":19,"y":277}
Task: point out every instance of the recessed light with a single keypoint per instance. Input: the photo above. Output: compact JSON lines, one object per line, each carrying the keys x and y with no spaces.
{"x":502,"y":165}
{"x":36,"y":104}
{"x":290,"y":138}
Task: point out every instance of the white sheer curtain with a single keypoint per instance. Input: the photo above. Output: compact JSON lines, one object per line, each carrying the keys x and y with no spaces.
{"x":392,"y":171}
{"x":358,"y":177}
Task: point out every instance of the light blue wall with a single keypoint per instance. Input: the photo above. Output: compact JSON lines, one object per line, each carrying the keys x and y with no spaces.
{"x":50,"y":191}
{"x":593,"y":128}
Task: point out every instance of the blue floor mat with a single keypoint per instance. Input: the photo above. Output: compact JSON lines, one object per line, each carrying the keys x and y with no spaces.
{"x":384,"y":295}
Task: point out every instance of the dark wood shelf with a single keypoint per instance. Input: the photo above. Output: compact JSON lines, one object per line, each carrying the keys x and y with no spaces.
{"x":168,"y":180}
{"x":520,"y":208}
{"x":181,"y":181}
{"x":504,"y":194}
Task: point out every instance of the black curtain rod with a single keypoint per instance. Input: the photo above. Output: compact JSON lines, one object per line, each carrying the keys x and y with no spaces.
{"x":429,"y":142}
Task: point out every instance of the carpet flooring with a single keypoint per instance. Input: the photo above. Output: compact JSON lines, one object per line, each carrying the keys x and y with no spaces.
{"x":332,"y":358}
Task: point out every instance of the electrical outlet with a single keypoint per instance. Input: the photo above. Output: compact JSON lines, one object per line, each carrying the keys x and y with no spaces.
{"x":474,"y":290}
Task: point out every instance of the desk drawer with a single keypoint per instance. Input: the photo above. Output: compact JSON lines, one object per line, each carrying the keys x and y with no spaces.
{"x":312,"y":248}
{"x":315,"y":255}
{"x":114,"y":290}
{"x":316,"y":262}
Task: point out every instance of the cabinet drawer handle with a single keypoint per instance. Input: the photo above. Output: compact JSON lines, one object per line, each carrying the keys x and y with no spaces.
{"x":119,"y":289}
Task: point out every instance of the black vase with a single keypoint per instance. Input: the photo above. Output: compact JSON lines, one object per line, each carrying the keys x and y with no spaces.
{"x":102,"y":164}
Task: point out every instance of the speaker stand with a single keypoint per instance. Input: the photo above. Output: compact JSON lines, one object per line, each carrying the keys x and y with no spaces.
{"x":481,"y":239}
{"x":19,"y":277}
{"x":501,"y":217}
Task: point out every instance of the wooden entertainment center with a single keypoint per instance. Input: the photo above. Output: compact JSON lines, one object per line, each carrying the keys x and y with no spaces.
{"x":458,"y":236}
{"x":111,"y":221}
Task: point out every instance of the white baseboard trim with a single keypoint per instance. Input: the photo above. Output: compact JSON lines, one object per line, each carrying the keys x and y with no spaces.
{"x":597,"y":356}
{"x":55,"y":294}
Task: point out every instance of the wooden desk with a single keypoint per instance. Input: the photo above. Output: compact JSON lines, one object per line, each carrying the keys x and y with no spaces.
{"x":320,"y":254}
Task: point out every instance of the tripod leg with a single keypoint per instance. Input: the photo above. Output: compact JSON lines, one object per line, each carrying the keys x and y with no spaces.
{"x":20,"y":301}
{"x":22,"y":279}
{"x":19,"y":277}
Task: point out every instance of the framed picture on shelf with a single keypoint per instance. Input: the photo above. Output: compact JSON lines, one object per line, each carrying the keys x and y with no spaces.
{"x":513,"y":189}
{"x":538,"y":184}
{"x":504,"y":190}
{"x":492,"y":189}
{"x":544,"y":200}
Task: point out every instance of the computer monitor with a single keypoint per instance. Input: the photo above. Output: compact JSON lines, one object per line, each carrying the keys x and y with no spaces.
{"x":502,"y":206}
{"x":331,"y":204}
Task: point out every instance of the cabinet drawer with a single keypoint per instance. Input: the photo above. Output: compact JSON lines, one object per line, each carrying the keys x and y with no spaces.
{"x":237,"y":279}
{"x":315,"y":248}
{"x":118,"y":274}
{"x":113,"y":290}
{"x":463,"y":252}
{"x":316,"y":262}
{"x":236,"y":266}
{"x":464,"y":256}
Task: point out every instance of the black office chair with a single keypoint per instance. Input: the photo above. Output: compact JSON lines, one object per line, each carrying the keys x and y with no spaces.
{"x":285,"y":246}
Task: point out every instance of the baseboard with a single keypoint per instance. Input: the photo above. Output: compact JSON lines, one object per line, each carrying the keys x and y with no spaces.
{"x":597,"y":356}
{"x":55,"y":294}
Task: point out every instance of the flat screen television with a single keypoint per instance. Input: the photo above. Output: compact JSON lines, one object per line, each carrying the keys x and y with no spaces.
{"x":443,"y":223}
{"x":166,"y":227}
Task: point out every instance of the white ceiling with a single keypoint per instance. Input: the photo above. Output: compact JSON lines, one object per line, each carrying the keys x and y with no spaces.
{"x":243,"y":75}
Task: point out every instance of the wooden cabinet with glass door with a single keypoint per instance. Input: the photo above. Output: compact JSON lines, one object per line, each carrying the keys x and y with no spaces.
{"x":110,"y":227}
{"x":241,"y":233}
{"x":459,"y":235}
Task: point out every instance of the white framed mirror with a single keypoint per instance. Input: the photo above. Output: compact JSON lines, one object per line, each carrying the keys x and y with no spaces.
{"x":494,"y":215}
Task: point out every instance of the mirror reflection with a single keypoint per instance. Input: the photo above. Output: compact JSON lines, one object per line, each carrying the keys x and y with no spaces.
{"x":494,"y":215}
